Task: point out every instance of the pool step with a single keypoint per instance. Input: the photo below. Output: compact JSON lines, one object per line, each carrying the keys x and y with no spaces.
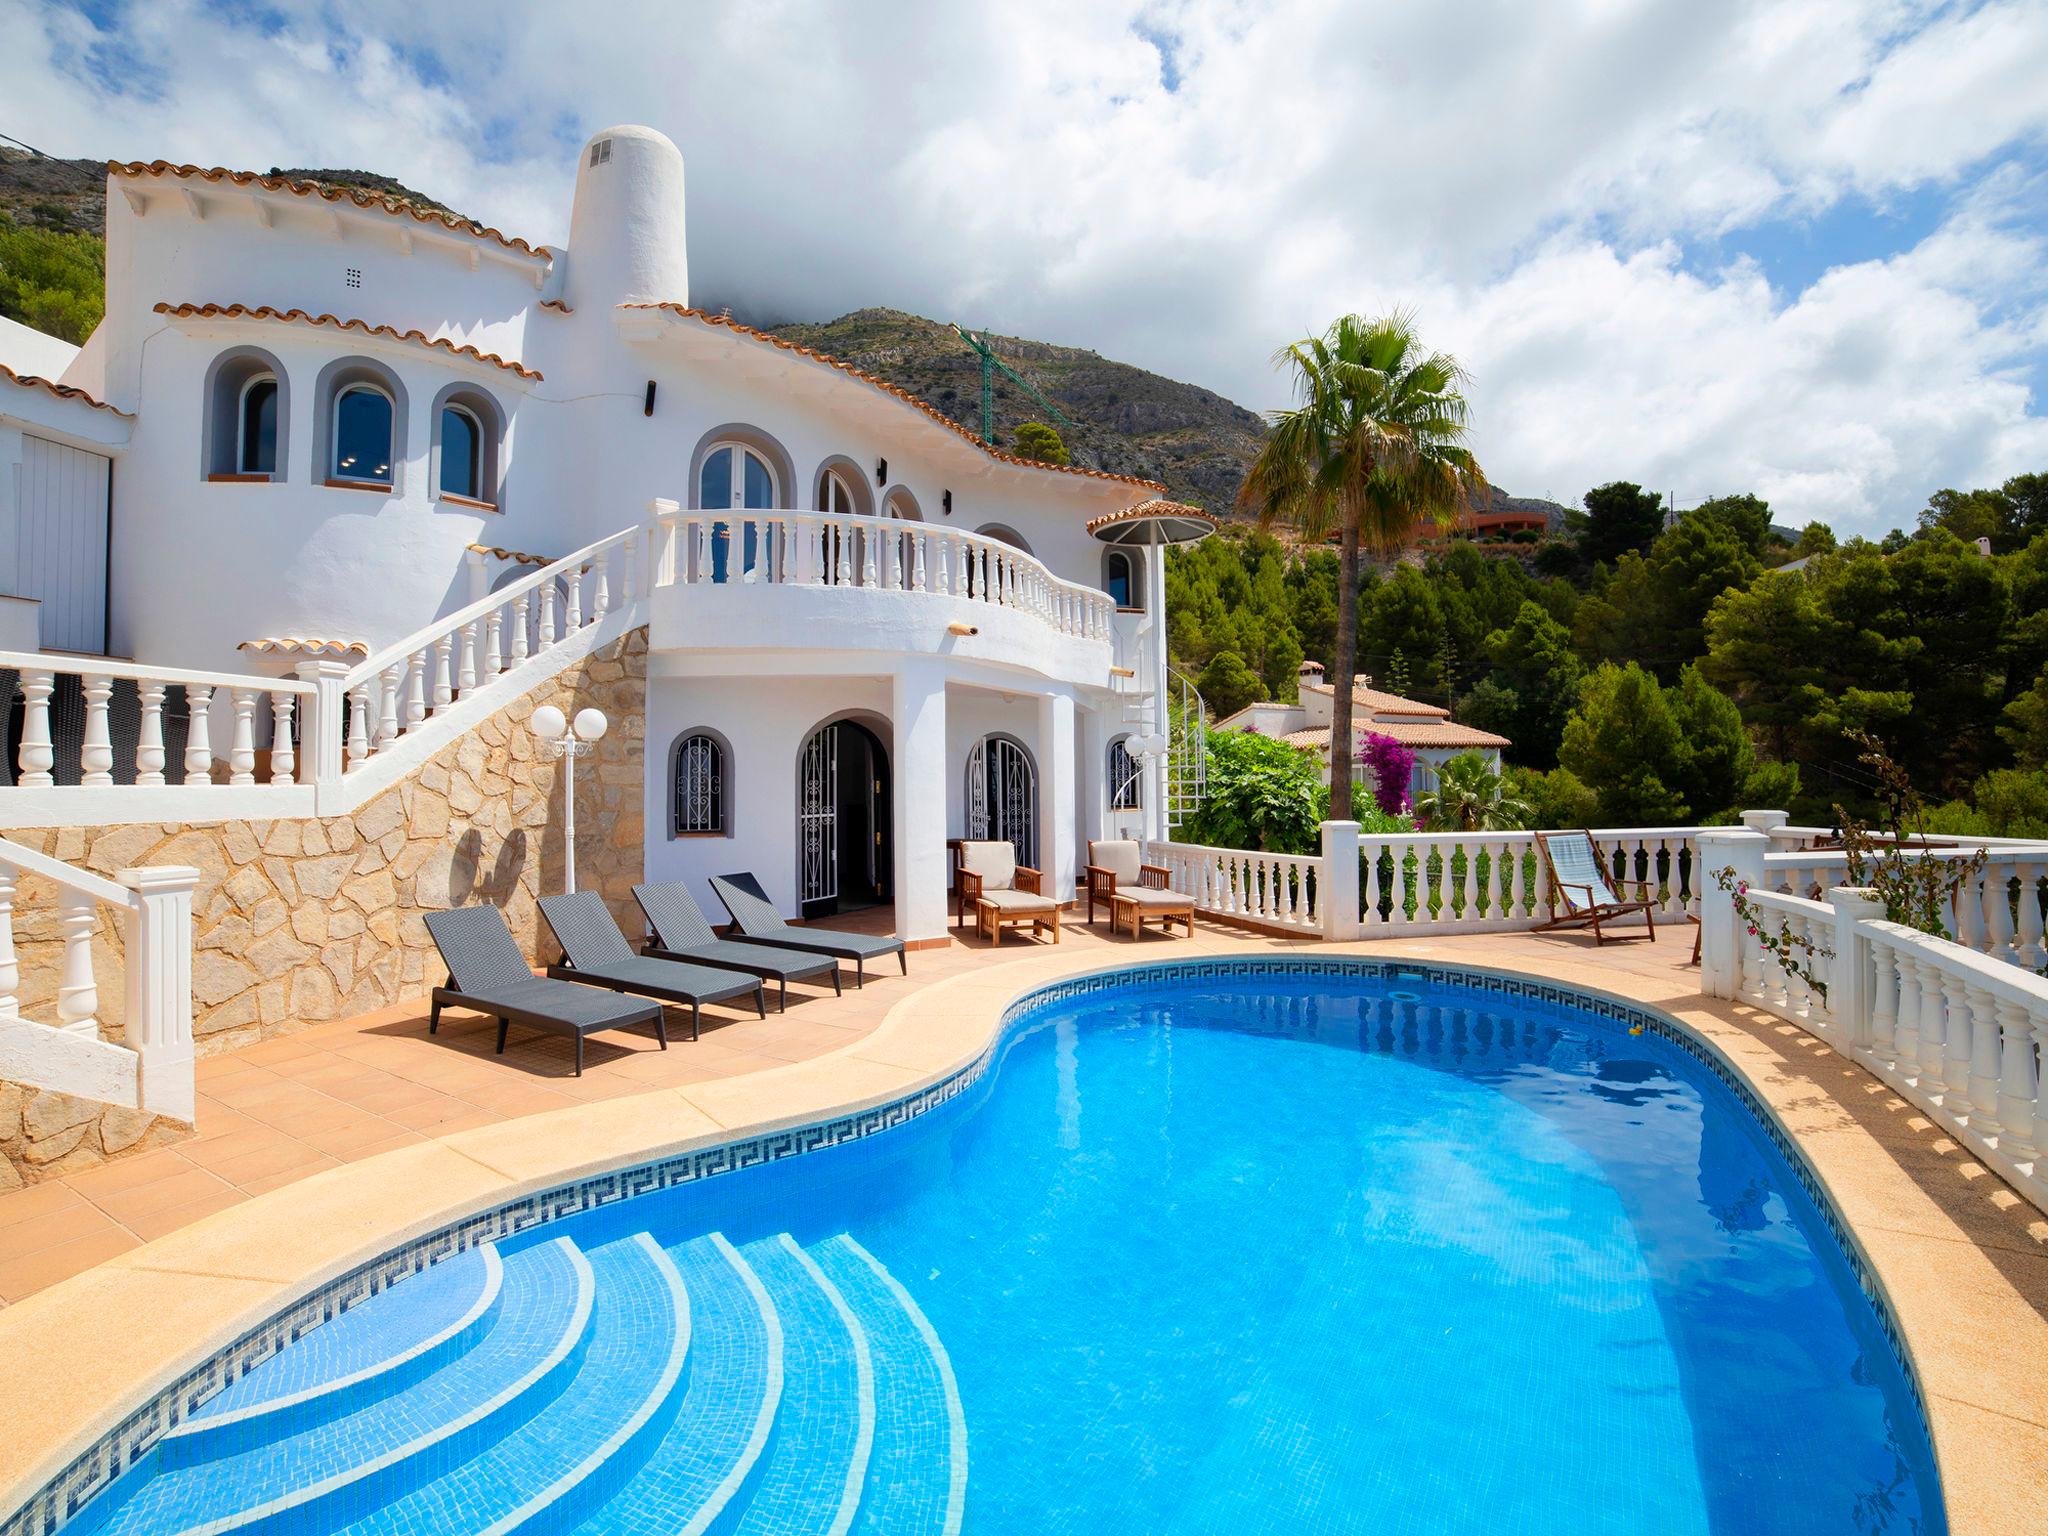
{"x":826,"y":1426}
{"x":376,"y":1348}
{"x":322,"y":1476}
{"x":917,"y":1471}
{"x":701,"y":1390}
{"x":566,"y":1459}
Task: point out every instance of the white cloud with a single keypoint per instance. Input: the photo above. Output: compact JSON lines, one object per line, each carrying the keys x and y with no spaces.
{"x":1545,"y":182}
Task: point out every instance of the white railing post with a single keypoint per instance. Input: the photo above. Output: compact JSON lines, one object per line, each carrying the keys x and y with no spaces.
{"x":283,"y":758}
{"x":1721,"y":938}
{"x":38,"y":754}
{"x":10,"y":967}
{"x":473,"y":563}
{"x":1337,"y":882}
{"x":96,"y":756}
{"x":320,"y":723}
{"x":242,"y":747}
{"x":149,"y":741}
{"x":158,"y":945}
{"x":1852,"y":975}
{"x":664,"y":515}
{"x":78,"y":994}
{"x":198,"y":734}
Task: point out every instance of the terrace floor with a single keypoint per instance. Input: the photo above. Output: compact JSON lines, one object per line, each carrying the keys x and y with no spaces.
{"x":1964,"y":1258}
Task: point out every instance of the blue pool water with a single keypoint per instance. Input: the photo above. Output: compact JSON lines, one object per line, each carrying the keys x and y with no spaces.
{"x":1272,"y":1253}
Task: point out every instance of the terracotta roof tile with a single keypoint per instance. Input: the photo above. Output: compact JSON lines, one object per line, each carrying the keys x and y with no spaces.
{"x":67,"y":391}
{"x":1383,"y":703}
{"x":1410,"y":733}
{"x":728,"y":323}
{"x":300,"y":645}
{"x":449,"y":221}
{"x":558,"y":306}
{"x":266,"y":312}
{"x":517,"y":556}
{"x":1156,"y":506}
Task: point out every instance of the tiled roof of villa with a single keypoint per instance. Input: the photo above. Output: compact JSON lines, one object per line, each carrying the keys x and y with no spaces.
{"x":302,"y":317}
{"x":391,"y":205}
{"x":64,"y":391}
{"x":1383,"y":703}
{"x":728,"y":323}
{"x":1410,"y":733}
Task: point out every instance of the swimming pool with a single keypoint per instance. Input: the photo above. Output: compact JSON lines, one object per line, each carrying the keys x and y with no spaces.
{"x":1222,"y":1248}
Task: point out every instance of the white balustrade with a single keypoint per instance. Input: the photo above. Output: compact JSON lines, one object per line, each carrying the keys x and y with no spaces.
{"x":794,"y":548}
{"x":1481,"y":882}
{"x":1272,"y":890}
{"x":99,"y":679}
{"x":151,"y":1067}
{"x":1956,"y":1029}
{"x":1997,"y":911}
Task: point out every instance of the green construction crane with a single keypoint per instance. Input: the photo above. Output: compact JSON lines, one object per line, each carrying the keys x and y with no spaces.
{"x":989,"y":364}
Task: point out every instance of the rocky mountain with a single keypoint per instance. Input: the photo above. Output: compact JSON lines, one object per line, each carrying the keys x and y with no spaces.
{"x":1122,"y":418}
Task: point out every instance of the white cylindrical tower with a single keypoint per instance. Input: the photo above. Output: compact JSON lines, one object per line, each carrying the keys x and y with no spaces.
{"x":626,"y":229}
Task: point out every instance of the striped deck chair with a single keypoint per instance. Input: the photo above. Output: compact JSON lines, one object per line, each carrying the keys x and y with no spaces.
{"x":1581,"y":893}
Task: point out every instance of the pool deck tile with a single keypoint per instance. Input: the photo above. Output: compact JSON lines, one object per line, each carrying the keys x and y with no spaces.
{"x":322,"y":1148}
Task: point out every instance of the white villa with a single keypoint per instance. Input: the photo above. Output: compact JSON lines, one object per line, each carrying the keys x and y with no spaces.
{"x":1425,"y":729}
{"x":390,"y":459}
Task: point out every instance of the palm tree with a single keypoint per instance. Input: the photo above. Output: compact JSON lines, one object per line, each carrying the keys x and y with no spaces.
{"x":1471,"y":796}
{"x":1375,"y":445}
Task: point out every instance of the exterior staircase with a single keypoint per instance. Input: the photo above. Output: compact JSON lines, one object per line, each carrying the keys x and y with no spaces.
{"x":704,"y":1387}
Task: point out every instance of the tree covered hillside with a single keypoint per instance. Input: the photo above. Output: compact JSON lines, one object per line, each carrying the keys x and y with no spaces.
{"x":1649,"y":674}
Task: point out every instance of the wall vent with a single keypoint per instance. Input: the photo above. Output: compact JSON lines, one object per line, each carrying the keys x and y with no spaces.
{"x":355,"y":277}
{"x":601,"y":152}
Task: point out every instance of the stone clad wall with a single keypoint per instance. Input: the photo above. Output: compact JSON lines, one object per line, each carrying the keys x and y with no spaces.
{"x":295,"y":922}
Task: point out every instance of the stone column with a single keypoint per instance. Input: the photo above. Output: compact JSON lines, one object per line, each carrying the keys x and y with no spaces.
{"x":1057,"y":794}
{"x":1723,"y":848}
{"x":918,"y":798}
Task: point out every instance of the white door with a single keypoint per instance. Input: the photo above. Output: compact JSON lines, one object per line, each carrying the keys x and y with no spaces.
{"x":60,"y":543}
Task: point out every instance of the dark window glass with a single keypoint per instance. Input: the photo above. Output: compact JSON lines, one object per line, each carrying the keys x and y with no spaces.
{"x":700,"y":786}
{"x":1119,"y":583}
{"x":259,"y":429}
{"x":461,"y":454}
{"x":714,"y":485}
{"x":362,"y":436}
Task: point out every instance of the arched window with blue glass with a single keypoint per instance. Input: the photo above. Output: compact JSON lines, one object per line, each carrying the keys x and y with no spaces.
{"x":363,"y":418}
{"x":1120,"y":578}
{"x":735,"y":475}
{"x":468,"y":434}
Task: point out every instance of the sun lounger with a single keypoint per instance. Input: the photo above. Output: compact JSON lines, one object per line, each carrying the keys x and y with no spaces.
{"x":680,"y":933}
{"x":596,"y":953}
{"x":487,"y":973}
{"x":760,"y":923}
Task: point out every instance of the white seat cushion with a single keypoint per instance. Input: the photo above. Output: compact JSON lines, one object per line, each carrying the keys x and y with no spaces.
{"x":1145,"y":896}
{"x":996,"y":863}
{"x":1120,"y":856}
{"x":1018,"y":901}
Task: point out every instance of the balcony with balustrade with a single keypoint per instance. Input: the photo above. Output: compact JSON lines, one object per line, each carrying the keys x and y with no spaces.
{"x":774,"y":580}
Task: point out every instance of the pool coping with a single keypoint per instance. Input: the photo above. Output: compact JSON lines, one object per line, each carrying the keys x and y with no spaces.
{"x":225,"y":1292}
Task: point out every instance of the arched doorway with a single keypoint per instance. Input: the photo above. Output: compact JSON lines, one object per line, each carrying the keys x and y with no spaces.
{"x":1002,"y":796}
{"x":734,"y":475}
{"x":844,"y":852}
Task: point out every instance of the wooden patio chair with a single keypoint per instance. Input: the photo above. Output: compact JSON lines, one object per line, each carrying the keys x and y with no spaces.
{"x":1581,"y":894}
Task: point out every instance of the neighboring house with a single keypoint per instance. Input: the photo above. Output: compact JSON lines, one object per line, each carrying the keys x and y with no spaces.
{"x":314,"y":413}
{"x":1426,"y":730}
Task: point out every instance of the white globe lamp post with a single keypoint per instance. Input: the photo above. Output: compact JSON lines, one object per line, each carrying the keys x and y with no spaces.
{"x":565,"y":740}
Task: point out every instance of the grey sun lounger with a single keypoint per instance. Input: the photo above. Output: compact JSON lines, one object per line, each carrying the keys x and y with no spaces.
{"x":760,"y":923}
{"x":680,"y":933}
{"x":596,"y":953}
{"x":487,"y":973}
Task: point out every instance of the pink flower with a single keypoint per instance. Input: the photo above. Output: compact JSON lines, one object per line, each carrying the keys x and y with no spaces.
{"x":1752,"y":931}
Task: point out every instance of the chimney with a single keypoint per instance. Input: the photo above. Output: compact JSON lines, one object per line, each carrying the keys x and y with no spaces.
{"x":1984,"y":549}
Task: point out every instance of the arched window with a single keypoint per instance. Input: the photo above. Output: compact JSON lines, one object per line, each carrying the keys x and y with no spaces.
{"x":1120,"y":578}
{"x":256,"y":427}
{"x":360,"y":436}
{"x":247,"y":417}
{"x":361,"y":426}
{"x":835,"y":494}
{"x":462,"y":453}
{"x":1126,"y":783}
{"x":902,"y":506}
{"x":735,"y":475}
{"x":701,"y":787}
{"x":469,"y":431}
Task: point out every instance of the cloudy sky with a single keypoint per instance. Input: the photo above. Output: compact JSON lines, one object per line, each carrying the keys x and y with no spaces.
{"x":1711,"y":245}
